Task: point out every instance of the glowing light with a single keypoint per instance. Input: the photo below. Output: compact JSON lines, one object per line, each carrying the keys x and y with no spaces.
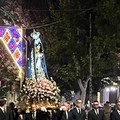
{"x":107,"y":89}
{"x":112,"y":88}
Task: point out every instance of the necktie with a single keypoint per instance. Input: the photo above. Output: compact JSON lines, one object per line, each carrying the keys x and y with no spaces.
{"x":96,"y":111}
{"x":79,"y":111}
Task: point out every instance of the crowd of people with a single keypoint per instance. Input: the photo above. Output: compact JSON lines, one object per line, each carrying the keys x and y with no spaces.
{"x":63,"y":111}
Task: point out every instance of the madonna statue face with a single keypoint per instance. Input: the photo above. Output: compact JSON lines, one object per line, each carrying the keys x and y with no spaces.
{"x":35,"y":35}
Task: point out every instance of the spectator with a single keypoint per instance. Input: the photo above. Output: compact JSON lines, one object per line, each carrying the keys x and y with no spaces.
{"x":107,"y":110}
{"x":12,"y":112}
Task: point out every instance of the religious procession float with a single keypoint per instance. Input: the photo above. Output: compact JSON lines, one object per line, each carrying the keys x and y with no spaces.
{"x":36,"y":86}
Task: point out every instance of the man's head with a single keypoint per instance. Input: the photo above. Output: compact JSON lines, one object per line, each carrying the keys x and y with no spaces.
{"x":67,"y":105}
{"x":95,"y":104}
{"x":118,"y":105}
{"x":12,"y":105}
{"x":33,"y":107}
{"x":2,"y":103}
{"x":107,"y":103}
{"x":78,"y":103}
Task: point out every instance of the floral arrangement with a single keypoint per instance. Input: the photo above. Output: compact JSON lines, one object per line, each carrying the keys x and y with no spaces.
{"x":40,"y":90}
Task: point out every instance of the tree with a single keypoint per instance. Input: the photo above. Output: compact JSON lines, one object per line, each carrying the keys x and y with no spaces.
{"x":69,"y":43}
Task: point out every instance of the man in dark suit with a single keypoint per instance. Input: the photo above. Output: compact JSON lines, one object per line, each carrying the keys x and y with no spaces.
{"x":33,"y":115}
{"x":12,"y":113}
{"x":96,"y":113}
{"x":36,"y":114}
{"x":78,"y":113}
{"x":115,"y":115}
{"x":2,"y":110}
{"x":44,"y":114}
{"x":66,"y":111}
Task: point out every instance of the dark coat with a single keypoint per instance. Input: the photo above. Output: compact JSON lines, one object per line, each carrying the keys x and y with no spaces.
{"x":114,"y":115}
{"x":12,"y":114}
{"x":2,"y":115}
{"x":52,"y":115}
{"x":59,"y":114}
{"x":28,"y":116}
{"x":64,"y":116}
{"x":40,"y":115}
{"x":92,"y":115}
{"x":44,"y":115}
{"x":77,"y":116}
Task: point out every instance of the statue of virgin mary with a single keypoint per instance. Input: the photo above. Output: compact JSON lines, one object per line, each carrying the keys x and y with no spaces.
{"x":36,"y":60}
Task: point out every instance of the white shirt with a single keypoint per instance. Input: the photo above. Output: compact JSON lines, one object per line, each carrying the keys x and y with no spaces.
{"x":34,"y":114}
{"x":78,"y":109}
{"x":118,"y":112}
{"x":2,"y":109}
{"x":96,"y":111}
{"x":66,"y":114}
